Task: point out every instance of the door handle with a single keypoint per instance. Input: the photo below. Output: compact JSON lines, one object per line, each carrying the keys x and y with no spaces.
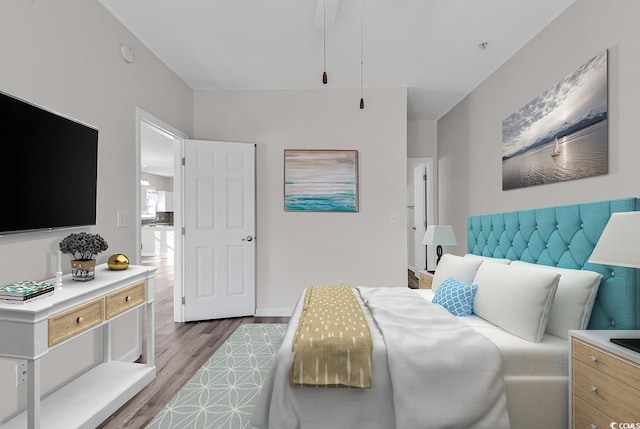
{"x":248,"y":238}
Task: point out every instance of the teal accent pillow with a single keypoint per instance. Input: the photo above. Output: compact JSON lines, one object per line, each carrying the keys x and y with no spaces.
{"x":456,"y":297}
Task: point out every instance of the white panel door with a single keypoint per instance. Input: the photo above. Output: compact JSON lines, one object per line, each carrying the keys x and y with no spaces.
{"x":219,"y":217}
{"x":419,"y":217}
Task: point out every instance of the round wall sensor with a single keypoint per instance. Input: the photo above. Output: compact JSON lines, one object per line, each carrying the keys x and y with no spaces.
{"x":127,"y":53}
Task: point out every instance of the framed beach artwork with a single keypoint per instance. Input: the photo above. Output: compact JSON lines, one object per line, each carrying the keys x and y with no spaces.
{"x":321,"y":180}
{"x":562,"y":134}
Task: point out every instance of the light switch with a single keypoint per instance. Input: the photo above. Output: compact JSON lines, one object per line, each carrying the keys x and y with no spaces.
{"x":123,"y":220}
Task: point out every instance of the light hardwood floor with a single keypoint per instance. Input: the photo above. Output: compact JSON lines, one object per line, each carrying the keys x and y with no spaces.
{"x":181,"y":348}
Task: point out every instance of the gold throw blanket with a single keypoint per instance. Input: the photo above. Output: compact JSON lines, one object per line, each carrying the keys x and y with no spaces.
{"x":332,"y":345}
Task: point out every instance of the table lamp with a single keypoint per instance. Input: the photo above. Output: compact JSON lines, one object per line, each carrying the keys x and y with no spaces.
{"x":439,"y":235}
{"x":619,"y":245}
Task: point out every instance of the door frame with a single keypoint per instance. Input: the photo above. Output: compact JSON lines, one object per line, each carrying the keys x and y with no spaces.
{"x":179,"y":137}
{"x":430,"y":210}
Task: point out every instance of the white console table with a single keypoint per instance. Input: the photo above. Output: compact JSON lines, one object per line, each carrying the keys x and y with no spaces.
{"x":29,"y":331}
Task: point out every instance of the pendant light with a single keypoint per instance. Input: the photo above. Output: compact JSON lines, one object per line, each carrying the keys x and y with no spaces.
{"x":324,"y":42}
{"x":361,"y":56}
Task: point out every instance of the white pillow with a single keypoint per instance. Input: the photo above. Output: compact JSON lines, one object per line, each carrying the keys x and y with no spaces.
{"x":572,"y":305}
{"x":516,"y":298}
{"x":489,"y":259}
{"x":460,"y":268}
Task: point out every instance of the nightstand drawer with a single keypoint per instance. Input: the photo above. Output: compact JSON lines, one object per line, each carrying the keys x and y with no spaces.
{"x":122,"y":300}
{"x":622,"y":369}
{"x":74,"y":321}
{"x":608,"y":394}
{"x":425,"y":280}
{"x":587,"y":416}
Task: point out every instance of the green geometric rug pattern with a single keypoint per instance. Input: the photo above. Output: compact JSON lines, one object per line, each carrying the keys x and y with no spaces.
{"x":223,"y":392}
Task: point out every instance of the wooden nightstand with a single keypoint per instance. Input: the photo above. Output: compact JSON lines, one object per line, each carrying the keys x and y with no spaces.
{"x":605,"y":380}
{"x":425,"y":279}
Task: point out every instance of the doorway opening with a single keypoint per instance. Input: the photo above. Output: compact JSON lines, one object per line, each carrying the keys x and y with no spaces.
{"x":158,"y":206}
{"x":421,"y":212}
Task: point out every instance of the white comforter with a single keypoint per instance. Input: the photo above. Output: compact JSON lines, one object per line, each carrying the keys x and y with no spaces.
{"x":443,"y":373}
{"x":433,"y":372}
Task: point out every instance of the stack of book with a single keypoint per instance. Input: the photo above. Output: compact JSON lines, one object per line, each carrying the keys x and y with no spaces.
{"x":22,"y":292}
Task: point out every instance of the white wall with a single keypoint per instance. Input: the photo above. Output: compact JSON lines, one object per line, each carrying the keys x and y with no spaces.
{"x":157,"y":183}
{"x":470,"y":135}
{"x":65,"y":55}
{"x":296,"y":250}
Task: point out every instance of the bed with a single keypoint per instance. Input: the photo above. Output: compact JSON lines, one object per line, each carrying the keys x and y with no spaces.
{"x":543,"y":251}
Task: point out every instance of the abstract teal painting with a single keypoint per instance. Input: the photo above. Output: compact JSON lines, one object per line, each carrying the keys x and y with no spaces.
{"x":321,"y":180}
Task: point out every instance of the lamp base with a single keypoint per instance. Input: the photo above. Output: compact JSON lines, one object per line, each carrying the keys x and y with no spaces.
{"x":439,"y":253}
{"x":630,"y":343}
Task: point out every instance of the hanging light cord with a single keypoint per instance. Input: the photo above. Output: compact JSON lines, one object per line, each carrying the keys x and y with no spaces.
{"x":324,"y":42}
{"x":361,"y":56}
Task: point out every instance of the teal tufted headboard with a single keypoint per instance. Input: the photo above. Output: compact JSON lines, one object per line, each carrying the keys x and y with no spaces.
{"x":564,"y":236}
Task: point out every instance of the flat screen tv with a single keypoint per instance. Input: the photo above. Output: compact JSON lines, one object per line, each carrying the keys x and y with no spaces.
{"x":48,"y":169}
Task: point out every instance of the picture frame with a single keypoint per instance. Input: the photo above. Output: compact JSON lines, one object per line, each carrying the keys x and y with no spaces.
{"x":562,"y":134}
{"x":320,"y":180}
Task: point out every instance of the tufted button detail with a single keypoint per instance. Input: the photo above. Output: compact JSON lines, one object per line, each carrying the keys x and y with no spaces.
{"x":568,"y":246}
{"x":546,"y":245}
{"x":613,"y":322}
{"x":582,"y":225}
{"x":558,"y":225}
{"x":613,"y":273}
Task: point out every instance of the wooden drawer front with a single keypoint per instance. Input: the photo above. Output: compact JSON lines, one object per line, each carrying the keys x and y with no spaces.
{"x":78,"y":319}
{"x":425,"y":281}
{"x":626,"y":371}
{"x":124,"y":299}
{"x":587,"y":416}
{"x":612,"y":397}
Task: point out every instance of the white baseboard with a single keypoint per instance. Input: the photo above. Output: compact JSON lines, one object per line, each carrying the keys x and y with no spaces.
{"x":130,"y":356}
{"x":274,"y":312}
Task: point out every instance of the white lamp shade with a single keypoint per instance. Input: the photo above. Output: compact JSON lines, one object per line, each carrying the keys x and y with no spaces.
{"x":619,"y":243}
{"x":439,"y":235}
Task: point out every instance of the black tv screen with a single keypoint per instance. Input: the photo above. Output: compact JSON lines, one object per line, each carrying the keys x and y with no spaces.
{"x":48,"y":169}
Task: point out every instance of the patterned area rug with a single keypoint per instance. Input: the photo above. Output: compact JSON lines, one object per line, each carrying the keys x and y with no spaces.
{"x":223,"y":392}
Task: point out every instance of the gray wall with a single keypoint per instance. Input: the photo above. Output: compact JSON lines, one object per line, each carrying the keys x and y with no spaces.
{"x":297,"y":250}
{"x":65,"y":55}
{"x":422,"y":139}
{"x":470,"y":135}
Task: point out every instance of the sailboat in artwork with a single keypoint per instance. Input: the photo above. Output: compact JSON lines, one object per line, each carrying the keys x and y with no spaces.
{"x":556,"y":148}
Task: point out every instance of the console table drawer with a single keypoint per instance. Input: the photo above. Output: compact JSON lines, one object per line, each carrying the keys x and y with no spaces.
{"x":122,"y":300}
{"x":74,"y":321}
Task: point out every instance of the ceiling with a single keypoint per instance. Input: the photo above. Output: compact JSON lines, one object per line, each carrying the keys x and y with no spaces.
{"x":429,"y":46}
